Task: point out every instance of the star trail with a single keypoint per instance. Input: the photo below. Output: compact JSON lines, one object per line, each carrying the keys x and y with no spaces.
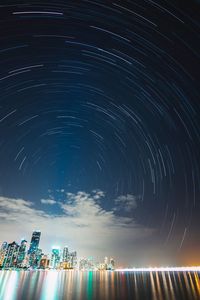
{"x":100,"y":105}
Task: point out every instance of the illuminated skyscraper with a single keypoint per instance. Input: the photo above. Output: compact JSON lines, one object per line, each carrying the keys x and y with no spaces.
{"x":55,"y":257}
{"x":66,"y":258}
{"x":44,"y":262}
{"x":34,"y":242}
{"x":73,"y":259}
{"x":112,"y":264}
{"x":34,"y":248}
{"x":69,"y":260}
{"x":21,"y":253}
{"x":38,"y":256}
{"x":106,"y":262}
{"x":84,"y":264}
{"x":87,"y":264}
{"x":3,"y":252}
{"x":11,"y":255}
{"x":4,"y":246}
{"x":65,"y":254}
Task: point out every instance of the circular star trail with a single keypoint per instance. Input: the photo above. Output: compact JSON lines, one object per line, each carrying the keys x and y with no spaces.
{"x":104,"y":95}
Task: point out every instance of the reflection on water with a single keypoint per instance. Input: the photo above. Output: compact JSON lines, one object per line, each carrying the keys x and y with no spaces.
{"x":72,"y":285}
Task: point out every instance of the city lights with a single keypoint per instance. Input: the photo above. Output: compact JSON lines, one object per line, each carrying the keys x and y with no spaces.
{"x":16,"y":256}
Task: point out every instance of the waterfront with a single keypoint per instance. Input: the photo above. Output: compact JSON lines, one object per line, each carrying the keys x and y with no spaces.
{"x":105,"y":285}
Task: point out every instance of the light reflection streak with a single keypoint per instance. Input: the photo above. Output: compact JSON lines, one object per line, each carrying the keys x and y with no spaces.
{"x":113,"y":283}
{"x":197,"y":281}
{"x":11,"y":286}
{"x":164,"y":282}
{"x":180,"y":284}
{"x":158,"y":284}
{"x":191,"y":284}
{"x":90,"y":285}
{"x":79,"y":285}
{"x":171,"y":286}
{"x":69,"y":284}
{"x":3,"y":281}
{"x":50,"y":286}
{"x":153,"y":284}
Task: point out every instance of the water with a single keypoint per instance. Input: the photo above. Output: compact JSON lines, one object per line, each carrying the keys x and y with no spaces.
{"x":73,"y":285}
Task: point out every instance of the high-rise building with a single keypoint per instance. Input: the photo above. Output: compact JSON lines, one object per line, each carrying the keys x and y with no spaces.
{"x":106,"y":262}
{"x":21,"y":253}
{"x":3,"y":252}
{"x":101,"y":266}
{"x":55,"y":258}
{"x":73,"y":259}
{"x":83,"y":264}
{"x":44,"y":262}
{"x":35,"y":240}
{"x":66,"y":259}
{"x":65,"y":254}
{"x":112,"y":264}
{"x":25,"y":263}
{"x":38,"y":256}
{"x":10,"y":259}
{"x":4,"y":246}
{"x":86,"y":264}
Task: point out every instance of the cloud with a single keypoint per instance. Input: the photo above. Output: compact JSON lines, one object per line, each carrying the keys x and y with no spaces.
{"x":48,"y":201}
{"x":83,"y":209}
{"x":97,"y":194}
{"x":82,"y":224}
{"x":126,"y":203}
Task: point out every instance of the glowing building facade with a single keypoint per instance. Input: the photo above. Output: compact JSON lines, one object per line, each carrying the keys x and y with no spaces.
{"x":3,"y":253}
{"x":13,"y":256}
{"x":21,"y":253}
{"x":10,"y":259}
{"x":33,"y":249}
{"x":55,"y":258}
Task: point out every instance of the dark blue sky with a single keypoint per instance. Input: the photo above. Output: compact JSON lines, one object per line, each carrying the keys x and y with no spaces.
{"x":100,"y":127}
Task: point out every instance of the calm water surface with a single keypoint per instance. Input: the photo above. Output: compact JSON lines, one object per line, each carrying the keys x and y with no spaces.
{"x":72,"y":285}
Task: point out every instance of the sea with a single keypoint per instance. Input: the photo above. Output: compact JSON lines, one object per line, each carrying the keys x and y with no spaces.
{"x":98,"y":285}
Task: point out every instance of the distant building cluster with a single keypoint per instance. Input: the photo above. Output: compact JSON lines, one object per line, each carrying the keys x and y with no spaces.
{"x":16,"y":256}
{"x":90,"y":264}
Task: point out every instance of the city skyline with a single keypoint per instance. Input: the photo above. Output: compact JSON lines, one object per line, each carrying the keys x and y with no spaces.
{"x":25,"y":256}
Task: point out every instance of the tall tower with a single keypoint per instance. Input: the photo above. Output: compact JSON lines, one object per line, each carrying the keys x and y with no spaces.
{"x":34,"y":241}
{"x":3,"y":253}
{"x":106,"y":263}
{"x":11,"y":255}
{"x":21,"y":253}
{"x":34,"y":248}
{"x":65,"y":254}
{"x":73,"y":259}
{"x":112,"y":264}
{"x":55,"y":257}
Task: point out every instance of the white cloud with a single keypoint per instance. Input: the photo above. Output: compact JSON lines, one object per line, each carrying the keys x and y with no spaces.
{"x":97,"y":194}
{"x":83,"y":224}
{"x":126,"y":203}
{"x":48,"y":201}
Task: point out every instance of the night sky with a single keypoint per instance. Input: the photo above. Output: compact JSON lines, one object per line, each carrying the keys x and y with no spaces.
{"x":100,"y":127}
